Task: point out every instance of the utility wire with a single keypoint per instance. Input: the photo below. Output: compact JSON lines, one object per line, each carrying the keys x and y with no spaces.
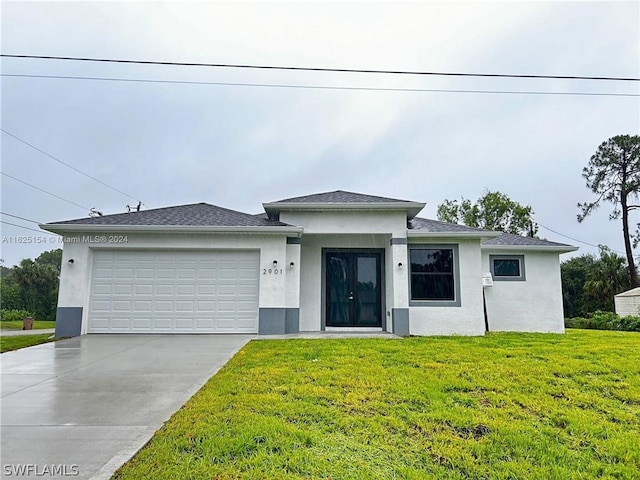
{"x":20,"y":218}
{"x":319,"y":69}
{"x":27,"y":228}
{"x":44,"y":191}
{"x":575,"y":239}
{"x":67,"y":165}
{"x":323,"y":87}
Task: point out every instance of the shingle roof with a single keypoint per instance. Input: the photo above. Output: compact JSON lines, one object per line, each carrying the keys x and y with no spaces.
{"x":435,"y":226}
{"x":197,"y":214}
{"x":510,"y":239}
{"x":339,"y":196}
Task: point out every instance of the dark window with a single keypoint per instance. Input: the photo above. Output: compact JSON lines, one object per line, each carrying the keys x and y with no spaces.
{"x":432,"y":274}
{"x":506,"y":267}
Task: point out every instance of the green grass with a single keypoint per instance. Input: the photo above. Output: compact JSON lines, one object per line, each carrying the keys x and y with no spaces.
{"x":21,"y":341}
{"x":504,"y":406}
{"x":17,"y":325}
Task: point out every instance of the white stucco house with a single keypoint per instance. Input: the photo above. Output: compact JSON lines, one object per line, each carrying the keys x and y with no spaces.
{"x":328,"y":261}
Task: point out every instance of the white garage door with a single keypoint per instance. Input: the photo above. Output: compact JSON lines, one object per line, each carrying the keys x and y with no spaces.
{"x":174,"y":292}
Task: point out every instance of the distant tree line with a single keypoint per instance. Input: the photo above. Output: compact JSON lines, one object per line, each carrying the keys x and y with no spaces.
{"x":32,"y":286}
{"x":589,"y":282}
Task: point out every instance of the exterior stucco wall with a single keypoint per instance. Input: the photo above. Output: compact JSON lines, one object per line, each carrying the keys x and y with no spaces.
{"x":533,"y":305}
{"x":276,"y":291}
{"x":349,"y":221}
{"x":468,"y":318}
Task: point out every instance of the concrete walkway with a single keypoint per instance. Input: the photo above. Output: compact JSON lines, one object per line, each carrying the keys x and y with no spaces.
{"x":85,"y":405}
{"x":14,"y":333}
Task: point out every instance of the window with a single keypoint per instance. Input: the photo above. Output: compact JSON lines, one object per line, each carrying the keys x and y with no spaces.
{"x":434,"y":275}
{"x":507,"y":267}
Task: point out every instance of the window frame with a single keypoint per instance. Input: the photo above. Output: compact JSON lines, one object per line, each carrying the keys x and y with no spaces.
{"x":456,"y":302}
{"x":508,"y":278}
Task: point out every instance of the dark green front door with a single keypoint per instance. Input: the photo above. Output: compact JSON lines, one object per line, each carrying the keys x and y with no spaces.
{"x":353,"y":289}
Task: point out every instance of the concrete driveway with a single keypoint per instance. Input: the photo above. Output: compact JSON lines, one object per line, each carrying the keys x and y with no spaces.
{"x":81,"y":407}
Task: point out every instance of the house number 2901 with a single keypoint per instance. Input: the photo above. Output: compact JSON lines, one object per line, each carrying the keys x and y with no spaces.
{"x":272,"y":271}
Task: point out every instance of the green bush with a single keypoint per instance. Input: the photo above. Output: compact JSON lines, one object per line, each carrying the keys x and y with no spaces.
{"x":600,"y":320}
{"x":14,"y":315}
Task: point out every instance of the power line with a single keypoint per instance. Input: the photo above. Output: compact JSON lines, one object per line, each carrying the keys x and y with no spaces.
{"x":44,"y":191}
{"x":324,"y":87}
{"x":575,"y":239}
{"x":67,"y":165}
{"x":20,"y":218}
{"x":27,"y":228}
{"x":319,"y":69}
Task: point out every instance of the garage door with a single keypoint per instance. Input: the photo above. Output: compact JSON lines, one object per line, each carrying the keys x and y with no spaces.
{"x":174,"y":292}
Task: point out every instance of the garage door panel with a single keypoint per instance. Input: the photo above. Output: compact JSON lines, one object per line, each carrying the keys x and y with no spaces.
{"x":188,"y":289}
{"x":142,"y":289}
{"x":206,"y":289}
{"x":174,"y":291}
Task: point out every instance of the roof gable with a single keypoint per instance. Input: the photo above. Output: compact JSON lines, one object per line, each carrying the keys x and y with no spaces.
{"x":341,"y":200}
{"x":339,"y":197}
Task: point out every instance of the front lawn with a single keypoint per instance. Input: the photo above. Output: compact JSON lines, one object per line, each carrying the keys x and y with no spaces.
{"x":17,"y":324}
{"x":21,"y":341}
{"x":504,"y":406}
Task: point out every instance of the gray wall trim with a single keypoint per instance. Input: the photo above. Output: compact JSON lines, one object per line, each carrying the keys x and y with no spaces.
{"x":520,"y":258}
{"x":278,"y":321}
{"x":68,"y":322}
{"x":457,"y":302}
{"x":294,"y":241}
{"x":292,"y":320}
{"x":400,"y":317}
{"x":398,"y":241}
{"x":271,"y":321}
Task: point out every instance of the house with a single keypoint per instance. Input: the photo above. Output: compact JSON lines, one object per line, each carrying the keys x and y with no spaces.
{"x":328,"y":261}
{"x":628,"y":303}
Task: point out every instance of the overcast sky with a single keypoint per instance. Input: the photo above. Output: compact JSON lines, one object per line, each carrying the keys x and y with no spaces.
{"x":238,"y":146}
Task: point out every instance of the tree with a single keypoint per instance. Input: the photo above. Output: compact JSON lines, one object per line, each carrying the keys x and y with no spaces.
{"x":33,"y":285}
{"x":607,"y":278}
{"x":493,"y":211}
{"x":613,"y":173}
{"x":590,"y":283}
{"x":574,"y":274}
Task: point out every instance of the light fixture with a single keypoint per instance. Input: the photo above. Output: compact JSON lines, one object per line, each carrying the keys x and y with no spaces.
{"x":399,"y":264}
{"x":291,"y":265}
{"x":275,"y":264}
{"x":71,"y":260}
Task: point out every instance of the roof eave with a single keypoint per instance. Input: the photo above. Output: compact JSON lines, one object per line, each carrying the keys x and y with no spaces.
{"x":73,"y":228}
{"x":542,"y":248}
{"x":412,"y":208}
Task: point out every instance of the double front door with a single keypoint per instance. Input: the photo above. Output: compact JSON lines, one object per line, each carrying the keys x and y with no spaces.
{"x":353,"y":288}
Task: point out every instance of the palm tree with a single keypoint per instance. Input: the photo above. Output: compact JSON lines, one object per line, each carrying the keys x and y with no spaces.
{"x":609,"y":277}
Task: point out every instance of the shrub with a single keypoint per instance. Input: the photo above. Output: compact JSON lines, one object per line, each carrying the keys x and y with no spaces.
{"x":629,"y":324}
{"x":600,"y":320}
{"x":14,"y":315}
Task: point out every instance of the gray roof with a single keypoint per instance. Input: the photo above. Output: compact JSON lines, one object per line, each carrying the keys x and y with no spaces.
{"x":339,"y":196}
{"x":196,"y":214}
{"x":512,"y":240}
{"x":434,"y":226}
